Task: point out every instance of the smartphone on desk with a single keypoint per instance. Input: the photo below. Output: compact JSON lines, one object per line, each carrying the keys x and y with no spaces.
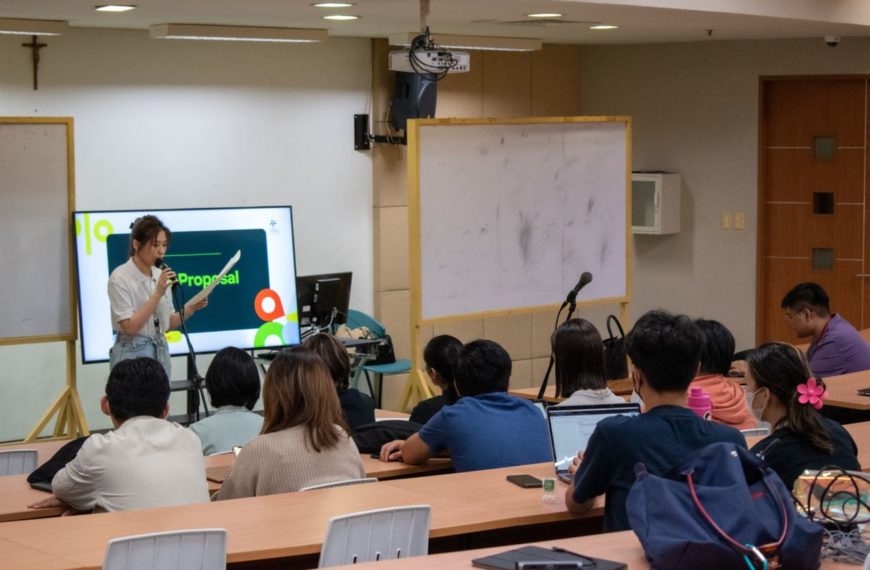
{"x":864,"y":392}
{"x":525,"y":481}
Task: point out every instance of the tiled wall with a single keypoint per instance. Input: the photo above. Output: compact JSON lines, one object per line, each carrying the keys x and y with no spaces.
{"x":543,"y":83}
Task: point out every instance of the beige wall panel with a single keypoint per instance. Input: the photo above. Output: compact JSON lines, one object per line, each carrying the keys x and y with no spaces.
{"x":521,"y":374}
{"x":461,"y":94}
{"x":395,"y":316}
{"x":507,"y":88}
{"x":390,"y":166}
{"x":542,"y":328}
{"x":466,"y":330}
{"x":391,"y":243}
{"x":393,"y":389}
{"x":513,"y":332}
{"x":539,"y":368}
{"x":556,"y":81}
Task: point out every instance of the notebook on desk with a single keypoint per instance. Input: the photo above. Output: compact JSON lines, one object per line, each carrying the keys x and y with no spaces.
{"x":537,"y":557}
{"x":571,"y":426}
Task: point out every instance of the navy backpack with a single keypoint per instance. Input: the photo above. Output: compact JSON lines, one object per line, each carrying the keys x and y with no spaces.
{"x":721,"y":506}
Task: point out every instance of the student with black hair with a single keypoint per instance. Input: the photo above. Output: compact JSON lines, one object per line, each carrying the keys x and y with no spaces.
{"x":145,"y":461}
{"x":358,"y":408}
{"x":837,"y":348}
{"x":579,"y":364}
{"x":233,"y":385}
{"x":486,"y":428}
{"x":439,"y":356}
{"x":728,"y":397}
{"x":664,"y":351}
{"x":782,"y":392}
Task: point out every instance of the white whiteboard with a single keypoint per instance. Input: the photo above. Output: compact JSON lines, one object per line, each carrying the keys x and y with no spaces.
{"x":35,"y":206}
{"x":510,"y":215}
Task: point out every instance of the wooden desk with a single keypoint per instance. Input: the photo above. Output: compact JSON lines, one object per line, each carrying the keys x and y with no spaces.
{"x":294,"y":524}
{"x":17,"y":556}
{"x":843,"y":391}
{"x":616,"y":546}
{"x":621,"y":387}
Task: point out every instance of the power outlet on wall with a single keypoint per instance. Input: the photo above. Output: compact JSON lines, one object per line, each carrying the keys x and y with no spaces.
{"x":725,"y":220}
{"x":739,"y":220}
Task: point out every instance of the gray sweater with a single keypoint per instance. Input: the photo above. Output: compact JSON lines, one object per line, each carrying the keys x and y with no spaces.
{"x":282,"y":462}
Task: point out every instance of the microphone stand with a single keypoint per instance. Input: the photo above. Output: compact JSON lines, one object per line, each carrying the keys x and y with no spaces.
{"x":193,"y":375}
{"x":571,"y":303}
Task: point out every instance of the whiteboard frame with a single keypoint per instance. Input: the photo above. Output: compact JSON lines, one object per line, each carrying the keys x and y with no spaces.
{"x":417,"y":386}
{"x":71,"y":334}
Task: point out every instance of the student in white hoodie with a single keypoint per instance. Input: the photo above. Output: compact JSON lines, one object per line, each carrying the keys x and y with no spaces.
{"x":579,"y":355}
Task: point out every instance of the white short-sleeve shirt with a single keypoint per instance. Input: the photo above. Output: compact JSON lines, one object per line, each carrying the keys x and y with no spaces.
{"x":129,"y":289}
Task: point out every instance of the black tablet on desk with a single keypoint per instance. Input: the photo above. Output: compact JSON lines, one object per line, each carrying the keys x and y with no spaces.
{"x":530,"y":557}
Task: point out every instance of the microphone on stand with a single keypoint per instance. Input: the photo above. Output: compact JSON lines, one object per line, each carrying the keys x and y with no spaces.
{"x":585,"y":279}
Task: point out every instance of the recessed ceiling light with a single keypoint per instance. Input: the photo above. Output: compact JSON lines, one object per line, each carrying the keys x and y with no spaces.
{"x":545,"y":15}
{"x":340,"y":17}
{"x":332,"y":5}
{"x":113,"y":8}
{"x":603,"y":27}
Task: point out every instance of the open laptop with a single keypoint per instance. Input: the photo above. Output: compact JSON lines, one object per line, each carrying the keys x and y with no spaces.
{"x":571,"y":426}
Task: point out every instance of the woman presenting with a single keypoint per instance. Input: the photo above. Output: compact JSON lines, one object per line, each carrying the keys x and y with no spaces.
{"x":140,"y":297}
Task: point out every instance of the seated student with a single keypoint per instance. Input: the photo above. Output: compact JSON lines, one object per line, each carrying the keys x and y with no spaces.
{"x":777,"y":379}
{"x":664,"y":350}
{"x":357,"y":407}
{"x":440,"y":357}
{"x":836,"y":348}
{"x":304,"y":442}
{"x":579,"y":357}
{"x":728,"y":397}
{"x":233,"y":385}
{"x":486,"y":428}
{"x":145,"y":461}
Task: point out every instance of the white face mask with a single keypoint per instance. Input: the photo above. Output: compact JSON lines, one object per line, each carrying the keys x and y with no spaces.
{"x":750,"y":401}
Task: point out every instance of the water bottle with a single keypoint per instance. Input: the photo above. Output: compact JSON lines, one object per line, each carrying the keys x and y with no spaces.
{"x":699,"y":402}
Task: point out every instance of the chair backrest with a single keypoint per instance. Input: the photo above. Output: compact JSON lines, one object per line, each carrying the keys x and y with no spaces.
{"x":17,"y":461}
{"x":200,"y":549}
{"x":343,"y":483}
{"x":359,"y":319}
{"x":381,"y":534}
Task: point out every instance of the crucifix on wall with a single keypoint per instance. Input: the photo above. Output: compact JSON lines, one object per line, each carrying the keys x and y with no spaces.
{"x":35,"y":46}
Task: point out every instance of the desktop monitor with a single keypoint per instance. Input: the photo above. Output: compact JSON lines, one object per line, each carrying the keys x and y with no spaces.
{"x":323,"y":300}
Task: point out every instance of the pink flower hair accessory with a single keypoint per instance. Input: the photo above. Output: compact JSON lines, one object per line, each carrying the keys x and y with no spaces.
{"x":812,"y":393}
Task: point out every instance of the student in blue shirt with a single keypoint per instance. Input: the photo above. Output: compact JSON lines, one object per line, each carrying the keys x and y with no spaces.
{"x":665,"y":353}
{"x":233,"y":385}
{"x":486,"y":428}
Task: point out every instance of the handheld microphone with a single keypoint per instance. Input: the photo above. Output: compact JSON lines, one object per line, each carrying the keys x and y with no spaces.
{"x":585,"y":279}
{"x":160,"y":264}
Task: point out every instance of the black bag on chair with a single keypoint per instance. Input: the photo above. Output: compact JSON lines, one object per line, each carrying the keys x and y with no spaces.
{"x":384,"y":351}
{"x":615,"y":365}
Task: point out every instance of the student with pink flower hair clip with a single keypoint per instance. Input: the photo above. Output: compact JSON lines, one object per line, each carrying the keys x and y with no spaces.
{"x":781,"y":391}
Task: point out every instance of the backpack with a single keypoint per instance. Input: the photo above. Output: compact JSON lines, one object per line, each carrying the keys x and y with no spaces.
{"x":721,"y":503}
{"x":370,"y":437}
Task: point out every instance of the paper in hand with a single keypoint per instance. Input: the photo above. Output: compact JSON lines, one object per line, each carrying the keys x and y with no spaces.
{"x":214,"y":283}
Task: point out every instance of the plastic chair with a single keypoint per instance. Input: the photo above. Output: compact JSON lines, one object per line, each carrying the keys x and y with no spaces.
{"x":17,"y":461}
{"x":344,"y":483}
{"x":203,"y":549}
{"x":382,"y":534}
{"x":400,"y":366}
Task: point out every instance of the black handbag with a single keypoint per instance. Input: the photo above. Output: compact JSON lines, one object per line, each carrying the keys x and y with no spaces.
{"x":384,"y":351}
{"x":615,"y":365}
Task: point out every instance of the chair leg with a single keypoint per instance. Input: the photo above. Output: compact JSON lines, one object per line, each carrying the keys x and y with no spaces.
{"x":380,"y":378}
{"x":371,"y":390}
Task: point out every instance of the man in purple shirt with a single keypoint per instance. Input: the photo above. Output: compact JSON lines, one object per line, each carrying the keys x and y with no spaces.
{"x":837,"y":348}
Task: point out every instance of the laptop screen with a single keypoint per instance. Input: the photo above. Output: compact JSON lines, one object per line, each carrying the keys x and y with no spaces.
{"x":571,"y":426}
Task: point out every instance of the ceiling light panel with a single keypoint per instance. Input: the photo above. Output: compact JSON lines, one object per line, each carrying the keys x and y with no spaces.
{"x":237,"y":33}
{"x":115,"y":8}
{"x":23,"y":27}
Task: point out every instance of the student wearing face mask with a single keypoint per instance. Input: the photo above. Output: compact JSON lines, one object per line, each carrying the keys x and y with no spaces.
{"x":781,"y":391}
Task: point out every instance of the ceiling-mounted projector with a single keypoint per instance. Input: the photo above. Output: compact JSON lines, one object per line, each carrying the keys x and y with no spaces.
{"x":433,"y":61}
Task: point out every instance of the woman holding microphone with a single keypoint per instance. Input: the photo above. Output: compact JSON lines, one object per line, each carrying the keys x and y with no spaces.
{"x":141,"y":298}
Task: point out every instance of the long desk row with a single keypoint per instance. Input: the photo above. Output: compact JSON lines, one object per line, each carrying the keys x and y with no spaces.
{"x":842,"y":391}
{"x":293,"y":524}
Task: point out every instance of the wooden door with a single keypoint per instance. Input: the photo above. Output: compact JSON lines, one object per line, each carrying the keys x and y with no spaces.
{"x":812,"y":191}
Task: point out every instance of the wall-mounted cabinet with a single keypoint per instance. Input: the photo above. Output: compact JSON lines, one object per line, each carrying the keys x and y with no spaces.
{"x":655,"y":203}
